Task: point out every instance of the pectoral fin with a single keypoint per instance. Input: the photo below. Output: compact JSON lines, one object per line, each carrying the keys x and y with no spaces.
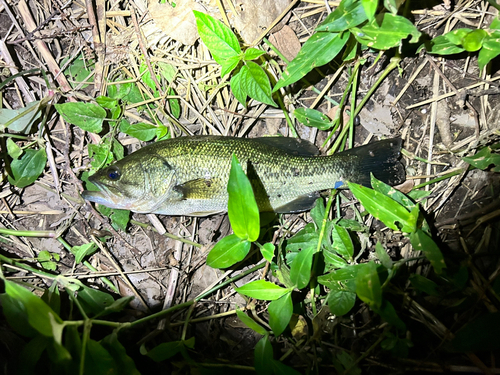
{"x":299,"y":204}
{"x":201,"y":188}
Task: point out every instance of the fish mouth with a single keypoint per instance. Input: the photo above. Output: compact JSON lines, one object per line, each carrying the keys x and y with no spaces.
{"x":103,"y":196}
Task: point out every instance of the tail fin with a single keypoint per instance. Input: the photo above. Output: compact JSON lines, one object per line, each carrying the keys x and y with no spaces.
{"x":379,"y":158}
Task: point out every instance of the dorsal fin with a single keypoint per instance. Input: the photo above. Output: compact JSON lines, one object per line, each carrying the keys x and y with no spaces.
{"x":293,"y":146}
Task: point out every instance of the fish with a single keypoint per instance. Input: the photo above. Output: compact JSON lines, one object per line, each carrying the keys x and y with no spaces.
{"x":189,"y":175}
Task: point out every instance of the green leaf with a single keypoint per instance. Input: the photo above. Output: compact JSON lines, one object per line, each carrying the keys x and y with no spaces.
{"x":228,"y":251}
{"x":386,"y":31}
{"x":242,"y":208}
{"x":142,"y":131}
{"x":101,"y":155}
{"x":86,"y":116}
{"x":253,"y":53}
{"x":341,"y":301}
{"x":473,"y":41}
{"x":120,"y":218}
{"x":484,"y":159}
{"x":218,"y":38}
{"x":425,"y":285}
{"x":490,"y":50}
{"x":37,"y":311}
{"x":267,"y":251}
{"x":28,"y":168}
{"x":370,"y":7}
{"x":385,"y":259}
{"x":300,"y":270}
{"x":313,"y":118}
{"x":256,"y":83}
{"x":280,"y":312}
{"x":344,"y":278}
{"x":440,"y":45}
{"x":21,"y":119}
{"x":107,"y":102}
{"x":94,"y":301}
{"x":98,"y":361}
{"x":250,"y":323}
{"x":125,"y":365}
{"x":318,"y":212}
{"x":80,"y":252}
{"x":263,"y":356}
{"x":318,"y":50}
{"x":388,"y":313}
{"x":385,"y":209}
{"x":263,"y":290}
{"x":13,"y":149}
{"x":238,"y":89}
{"x":79,"y":71}
{"x":392,"y":193}
{"x":117,"y":305}
{"x":167,"y":350}
{"x":306,"y":238}
{"x":456,"y":36}
{"x":422,"y":242}
{"x":342,"y":242}
{"x":348,"y":14}
{"x":228,"y":65}
{"x":368,"y":286}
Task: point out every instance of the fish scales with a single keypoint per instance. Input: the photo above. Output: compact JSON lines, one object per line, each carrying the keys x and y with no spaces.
{"x":189,"y":175}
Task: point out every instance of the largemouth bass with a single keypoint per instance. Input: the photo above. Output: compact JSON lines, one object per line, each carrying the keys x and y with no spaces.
{"x":189,"y":175}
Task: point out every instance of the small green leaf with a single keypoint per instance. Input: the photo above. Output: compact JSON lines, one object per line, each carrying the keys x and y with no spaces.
{"x":280,"y":313}
{"x":473,"y":41}
{"x":392,"y":193}
{"x":318,"y":212}
{"x":28,"y":168}
{"x":368,"y":286}
{"x":344,"y":278}
{"x":389,"y":314}
{"x":313,"y":118}
{"x":307,"y":237}
{"x":13,"y":149}
{"x":250,"y":323}
{"x":490,"y":50}
{"x":94,"y":301}
{"x":86,"y":116}
{"x":242,"y":208}
{"x":300,"y":270}
{"x":318,"y":50}
{"x":341,"y":301}
{"x":106,"y":102}
{"x":98,"y":361}
{"x":228,"y":65}
{"x":218,"y":38}
{"x":423,"y":284}
{"x":167,"y":350}
{"x":21,"y":119}
{"x":253,"y":53}
{"x":385,"y":209}
{"x":342,"y":242}
{"x":142,"y":131}
{"x":348,"y":14}
{"x":120,"y":218}
{"x":456,"y":36}
{"x":484,"y":159}
{"x":80,"y":252}
{"x":263,"y":356}
{"x":256,"y":83}
{"x":267,"y":251}
{"x":117,"y":305}
{"x":263,"y":290}
{"x":422,"y":242}
{"x":382,"y":255}
{"x":237,"y":87}
{"x":228,"y":251}
{"x":440,"y":45}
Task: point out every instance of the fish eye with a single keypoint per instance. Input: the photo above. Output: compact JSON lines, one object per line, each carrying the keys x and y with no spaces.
{"x":113,"y":174}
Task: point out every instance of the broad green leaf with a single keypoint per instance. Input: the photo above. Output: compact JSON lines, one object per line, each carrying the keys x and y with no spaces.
{"x":392,"y":193}
{"x":348,"y":14}
{"x":495,"y":24}
{"x":456,"y":36}
{"x":332,"y":259}
{"x":263,"y":290}
{"x":318,"y":50}
{"x":440,"y":45}
{"x":342,"y":242}
{"x":86,"y":116}
{"x":168,"y":71}
{"x":318,"y":212}
{"x":267,"y":251}
{"x":218,"y":38}
{"x":382,"y":255}
{"x":237,"y":88}
{"x":417,"y":195}
{"x":142,"y":131}
{"x":280,"y":312}
{"x":118,"y":150}
{"x":306,"y":238}
{"x":242,"y":207}
{"x":98,"y":361}
{"x":344,"y":278}
{"x":101,"y":155}
{"x":21,"y":119}
{"x":37,"y":311}
{"x":389,"y":314}
{"x":28,"y":168}
{"x":263,"y":356}
{"x":256,"y":83}
{"x":313,"y":118}
{"x":481,"y":334}
{"x":368,"y":286}
{"x":13,"y":149}
{"x":423,"y":284}
{"x":385,"y":209}
{"x":228,"y":251}
{"x":161,"y":132}
{"x":484,"y":159}
{"x":79,"y":71}
{"x":490,"y":50}
{"x":341,"y":301}
{"x":370,"y":7}
{"x":80,"y":252}
{"x":253,"y":53}
{"x":473,"y":41}
{"x":386,"y":31}
{"x":94,"y":301}
{"x":422,"y":242}
{"x":250,"y":323}
{"x":52,"y":297}
{"x":228,"y":65}
{"x":125,"y":364}
{"x":107,"y":102}
{"x":120,"y":218}
{"x":300,"y":270}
